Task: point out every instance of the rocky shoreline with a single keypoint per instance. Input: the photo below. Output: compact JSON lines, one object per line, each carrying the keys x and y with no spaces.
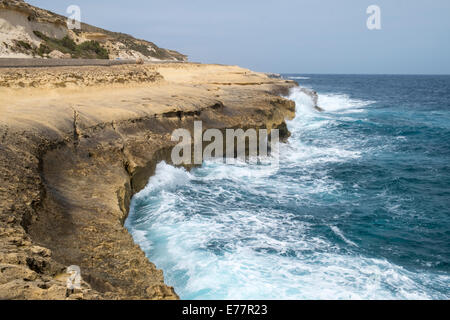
{"x":75,"y":149}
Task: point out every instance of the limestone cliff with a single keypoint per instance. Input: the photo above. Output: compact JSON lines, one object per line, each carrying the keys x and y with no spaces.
{"x":77,"y":143}
{"x":28,"y":31}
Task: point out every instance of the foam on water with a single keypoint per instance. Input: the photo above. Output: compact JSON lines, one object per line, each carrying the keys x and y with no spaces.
{"x":299,"y":78}
{"x":338,"y":232}
{"x":341,"y":102}
{"x":239,"y":231}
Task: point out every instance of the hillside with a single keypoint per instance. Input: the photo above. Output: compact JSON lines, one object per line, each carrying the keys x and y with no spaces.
{"x":27,"y":31}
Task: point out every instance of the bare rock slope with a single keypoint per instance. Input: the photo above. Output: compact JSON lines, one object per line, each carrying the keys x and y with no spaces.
{"x":77,"y":142}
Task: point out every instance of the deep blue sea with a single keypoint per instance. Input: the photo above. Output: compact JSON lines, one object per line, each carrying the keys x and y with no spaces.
{"x":359,"y":208}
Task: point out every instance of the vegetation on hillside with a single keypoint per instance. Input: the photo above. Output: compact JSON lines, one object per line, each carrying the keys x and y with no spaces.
{"x":86,"y":50}
{"x":118,"y":44}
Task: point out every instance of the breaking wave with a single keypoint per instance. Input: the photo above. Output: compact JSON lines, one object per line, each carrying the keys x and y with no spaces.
{"x":311,"y":230}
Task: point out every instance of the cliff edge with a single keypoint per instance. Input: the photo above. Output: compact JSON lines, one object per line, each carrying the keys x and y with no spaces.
{"x":77,"y":142}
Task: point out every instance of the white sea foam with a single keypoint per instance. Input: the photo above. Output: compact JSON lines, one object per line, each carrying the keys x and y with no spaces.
{"x":310,"y":120}
{"x":339,"y":233}
{"x":300,"y":78}
{"x":263,"y":255}
{"x":215,"y":241}
{"x":166,"y":177}
{"x":303,"y":102}
{"x":229,"y":252}
{"x":341,"y":102}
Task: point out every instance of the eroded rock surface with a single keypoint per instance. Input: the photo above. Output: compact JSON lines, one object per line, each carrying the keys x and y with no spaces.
{"x":72,"y":156}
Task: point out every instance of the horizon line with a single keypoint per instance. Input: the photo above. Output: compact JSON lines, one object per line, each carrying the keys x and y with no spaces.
{"x":367,"y":74}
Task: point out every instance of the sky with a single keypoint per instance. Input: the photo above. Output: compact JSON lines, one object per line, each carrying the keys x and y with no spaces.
{"x":285,"y":36}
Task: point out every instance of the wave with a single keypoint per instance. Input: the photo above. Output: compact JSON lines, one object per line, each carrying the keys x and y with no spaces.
{"x":215,"y":249}
{"x":341,"y":102}
{"x":300,"y":78}
{"x":166,"y":177}
{"x":328,"y":102}
{"x":339,"y":233}
{"x":244,"y":231}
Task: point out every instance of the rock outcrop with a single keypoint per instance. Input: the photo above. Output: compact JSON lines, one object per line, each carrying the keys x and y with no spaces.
{"x":73,"y":155}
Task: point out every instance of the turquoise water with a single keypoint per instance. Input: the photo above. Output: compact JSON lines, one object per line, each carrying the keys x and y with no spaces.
{"x":359,"y":208}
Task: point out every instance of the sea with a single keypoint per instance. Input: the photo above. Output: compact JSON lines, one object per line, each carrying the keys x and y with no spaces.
{"x":359,"y":207}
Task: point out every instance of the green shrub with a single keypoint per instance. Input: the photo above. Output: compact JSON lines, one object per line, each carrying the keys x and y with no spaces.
{"x":87,"y":50}
{"x":68,"y":43}
{"x":40,"y":35}
{"x":43,"y":49}
{"x":91,"y":49}
{"x":23,"y":45}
